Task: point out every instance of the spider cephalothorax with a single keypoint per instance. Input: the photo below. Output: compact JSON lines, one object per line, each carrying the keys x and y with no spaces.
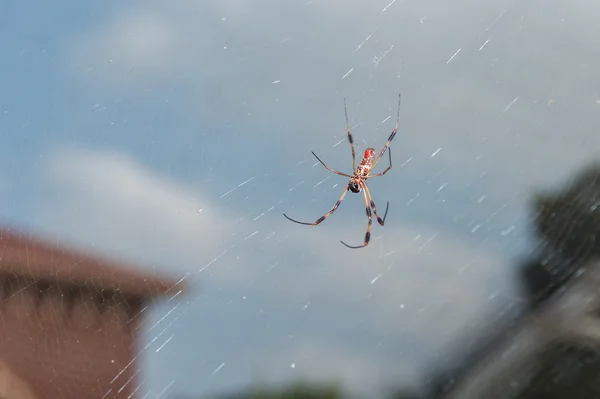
{"x":358,"y":180}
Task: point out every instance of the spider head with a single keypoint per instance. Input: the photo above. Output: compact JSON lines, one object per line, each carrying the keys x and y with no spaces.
{"x":355,"y":188}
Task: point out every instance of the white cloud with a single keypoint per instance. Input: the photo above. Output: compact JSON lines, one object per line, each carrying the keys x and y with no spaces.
{"x":136,"y":40}
{"x":226,"y":58}
{"x":107,"y":200}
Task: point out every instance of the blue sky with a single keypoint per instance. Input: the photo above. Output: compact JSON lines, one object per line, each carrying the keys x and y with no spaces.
{"x":124,"y":127}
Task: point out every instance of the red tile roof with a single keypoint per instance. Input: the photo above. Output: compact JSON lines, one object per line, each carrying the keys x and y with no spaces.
{"x":24,"y":255}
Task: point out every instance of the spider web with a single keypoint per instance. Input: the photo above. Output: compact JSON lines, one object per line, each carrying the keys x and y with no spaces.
{"x":181,"y":133}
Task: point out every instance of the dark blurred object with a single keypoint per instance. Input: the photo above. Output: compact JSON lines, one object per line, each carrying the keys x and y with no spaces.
{"x":566,"y":371}
{"x":294,"y":391}
{"x":569,"y":221}
{"x":307,"y":391}
{"x":537,"y":282}
{"x":406,"y":393}
{"x":566,"y":224}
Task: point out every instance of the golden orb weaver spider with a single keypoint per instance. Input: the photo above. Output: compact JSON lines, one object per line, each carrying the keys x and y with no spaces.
{"x":358,"y":180}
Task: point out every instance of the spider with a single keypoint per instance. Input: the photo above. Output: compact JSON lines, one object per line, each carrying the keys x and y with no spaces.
{"x":358,"y":180}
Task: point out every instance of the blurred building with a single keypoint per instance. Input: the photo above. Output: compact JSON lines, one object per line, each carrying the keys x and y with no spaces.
{"x":69,"y":321}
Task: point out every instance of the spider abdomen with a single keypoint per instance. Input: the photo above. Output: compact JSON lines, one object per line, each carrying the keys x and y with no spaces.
{"x":354,"y":187}
{"x":367,"y":158}
{"x":364,"y":167}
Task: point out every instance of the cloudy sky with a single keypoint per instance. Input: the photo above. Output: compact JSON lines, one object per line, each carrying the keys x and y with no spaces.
{"x":174,"y":135}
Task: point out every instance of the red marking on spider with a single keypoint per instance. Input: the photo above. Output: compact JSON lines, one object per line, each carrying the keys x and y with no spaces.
{"x":366,"y":161}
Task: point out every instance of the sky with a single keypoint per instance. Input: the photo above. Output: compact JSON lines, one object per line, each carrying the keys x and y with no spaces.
{"x":173,"y":135}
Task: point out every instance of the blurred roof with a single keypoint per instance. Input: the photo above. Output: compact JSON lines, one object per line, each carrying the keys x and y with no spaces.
{"x":24,"y":255}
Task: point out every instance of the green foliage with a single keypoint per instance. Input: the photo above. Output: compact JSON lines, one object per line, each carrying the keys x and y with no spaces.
{"x":295,"y":391}
{"x":569,"y":221}
{"x":568,"y":226}
{"x":565,"y":371}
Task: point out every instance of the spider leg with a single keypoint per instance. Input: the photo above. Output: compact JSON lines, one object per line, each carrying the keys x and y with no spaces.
{"x":385,"y":171}
{"x":350,"y":139}
{"x":385,"y":147}
{"x":379,"y":220}
{"x":368,"y":233}
{"x":319,"y":220}
{"x":328,"y":168}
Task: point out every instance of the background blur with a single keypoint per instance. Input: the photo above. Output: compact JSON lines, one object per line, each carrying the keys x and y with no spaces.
{"x":174,"y":134}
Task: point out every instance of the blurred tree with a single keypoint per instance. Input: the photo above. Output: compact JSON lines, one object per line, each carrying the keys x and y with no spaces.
{"x":567,"y":225}
{"x":565,"y":371}
{"x":305,"y":391}
{"x":294,"y":391}
{"x":404,"y":393}
{"x":568,"y":222}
